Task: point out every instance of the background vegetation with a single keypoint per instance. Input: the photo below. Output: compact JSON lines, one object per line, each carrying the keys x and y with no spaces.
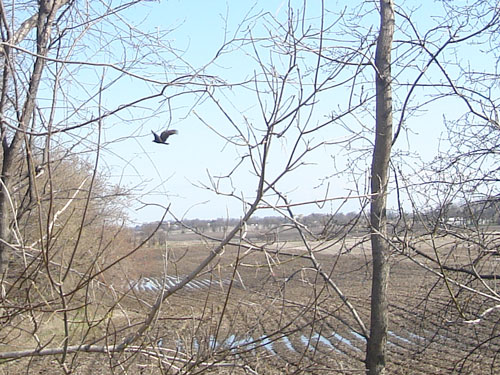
{"x":406,"y":282}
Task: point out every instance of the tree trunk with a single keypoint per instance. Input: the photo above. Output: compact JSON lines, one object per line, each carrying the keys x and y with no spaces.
{"x":376,"y":348}
{"x":12,"y":150}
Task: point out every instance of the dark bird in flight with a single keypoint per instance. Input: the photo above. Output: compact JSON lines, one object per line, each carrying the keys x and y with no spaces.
{"x":162,"y":138}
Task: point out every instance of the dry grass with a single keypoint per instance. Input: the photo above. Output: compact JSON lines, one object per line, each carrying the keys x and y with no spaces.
{"x":270,"y":313}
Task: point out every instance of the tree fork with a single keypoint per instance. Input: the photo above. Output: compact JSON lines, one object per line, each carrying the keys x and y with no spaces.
{"x":44,"y":19}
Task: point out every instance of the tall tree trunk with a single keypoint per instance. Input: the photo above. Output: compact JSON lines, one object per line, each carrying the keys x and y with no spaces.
{"x":376,"y":348}
{"x":12,"y":149}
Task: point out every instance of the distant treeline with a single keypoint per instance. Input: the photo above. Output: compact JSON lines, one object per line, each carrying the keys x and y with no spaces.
{"x":479,"y":212}
{"x":267,"y":222}
{"x":322,"y":224}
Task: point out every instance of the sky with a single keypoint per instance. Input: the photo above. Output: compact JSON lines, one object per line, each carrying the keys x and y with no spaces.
{"x":177,"y":175}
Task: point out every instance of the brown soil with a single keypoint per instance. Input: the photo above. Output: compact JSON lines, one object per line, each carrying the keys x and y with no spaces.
{"x":270,"y":312}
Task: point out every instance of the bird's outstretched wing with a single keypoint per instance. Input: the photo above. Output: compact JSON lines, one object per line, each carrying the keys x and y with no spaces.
{"x":167,"y":133}
{"x":157,"y":137}
{"x":162,"y":138}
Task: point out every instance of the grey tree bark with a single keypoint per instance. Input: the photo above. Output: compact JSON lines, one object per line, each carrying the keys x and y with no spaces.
{"x":11,"y":146}
{"x":376,"y":347}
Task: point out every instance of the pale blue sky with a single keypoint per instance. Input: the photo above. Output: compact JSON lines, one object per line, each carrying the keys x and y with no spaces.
{"x":172,"y":175}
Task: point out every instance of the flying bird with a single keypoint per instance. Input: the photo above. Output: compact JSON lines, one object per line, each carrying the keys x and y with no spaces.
{"x":162,"y":138}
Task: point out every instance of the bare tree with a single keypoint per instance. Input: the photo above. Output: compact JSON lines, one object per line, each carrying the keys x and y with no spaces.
{"x":298,"y":119}
{"x":376,"y":348}
{"x":14,"y":137}
{"x":61,"y":222}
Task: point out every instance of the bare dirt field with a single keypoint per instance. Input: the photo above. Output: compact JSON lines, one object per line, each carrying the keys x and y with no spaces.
{"x":263,"y":308}
{"x":271,"y":312}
